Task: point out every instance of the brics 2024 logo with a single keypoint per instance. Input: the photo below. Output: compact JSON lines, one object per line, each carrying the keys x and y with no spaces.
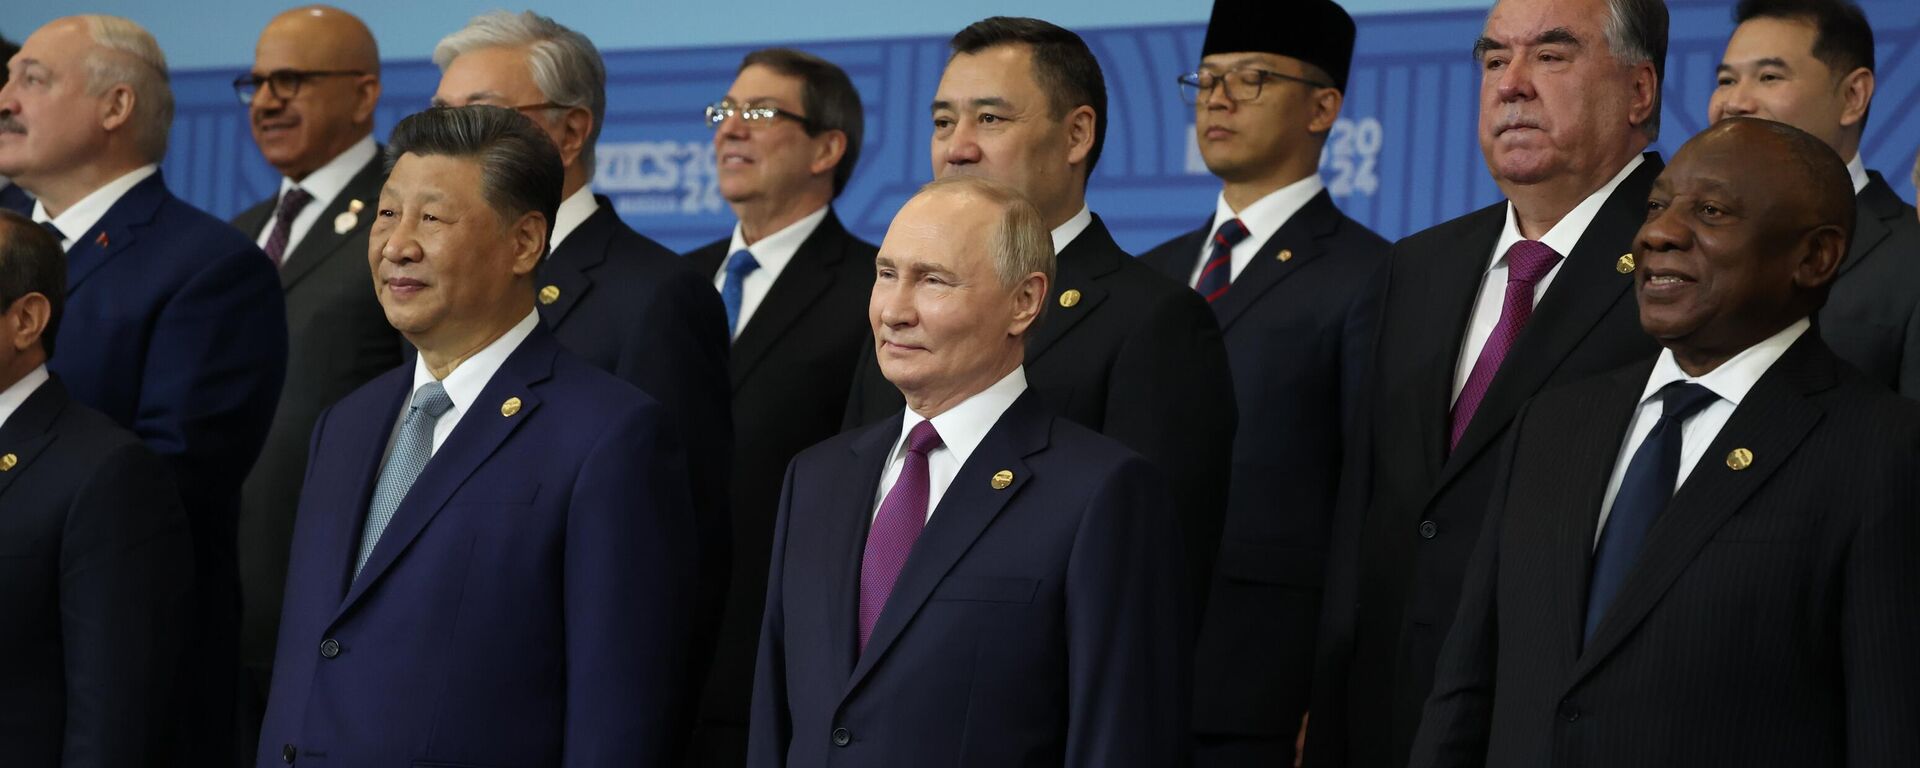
{"x":1349,"y":163}
{"x":658,"y":178}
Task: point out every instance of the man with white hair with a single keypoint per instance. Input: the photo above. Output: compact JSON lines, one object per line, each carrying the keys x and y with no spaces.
{"x":175,"y":327}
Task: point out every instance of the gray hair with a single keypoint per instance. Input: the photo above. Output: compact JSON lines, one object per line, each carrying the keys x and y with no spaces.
{"x":520,"y":168}
{"x":126,"y":54}
{"x":1021,"y":245}
{"x":566,"y":67}
{"x":1637,"y":33}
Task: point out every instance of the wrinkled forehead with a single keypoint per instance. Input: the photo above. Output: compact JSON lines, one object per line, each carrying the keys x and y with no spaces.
{"x":1521,"y":22}
{"x":59,"y":46}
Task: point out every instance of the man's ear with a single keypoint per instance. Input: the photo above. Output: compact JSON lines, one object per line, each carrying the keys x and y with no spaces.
{"x":1856,"y":91}
{"x":1029,"y":298}
{"x":828,"y":148}
{"x":530,"y":242}
{"x":25,"y":321}
{"x":1823,"y":250}
{"x":1081,"y":123}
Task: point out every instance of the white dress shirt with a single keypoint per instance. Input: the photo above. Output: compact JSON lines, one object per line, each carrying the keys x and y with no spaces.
{"x":1731,"y":381}
{"x":13,"y":396}
{"x":773,"y":252}
{"x":574,"y":211}
{"x":324,"y":184}
{"x":77,"y":219}
{"x":1263,"y":218}
{"x":1065,"y":233}
{"x":464,"y":383}
{"x":1493,"y":285}
{"x":1858,"y":170}
{"x":961,"y":429}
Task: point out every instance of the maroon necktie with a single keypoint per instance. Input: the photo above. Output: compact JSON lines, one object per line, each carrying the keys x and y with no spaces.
{"x":895,"y":528}
{"x":1217,"y":275}
{"x":1527,"y":262}
{"x":290,"y":205}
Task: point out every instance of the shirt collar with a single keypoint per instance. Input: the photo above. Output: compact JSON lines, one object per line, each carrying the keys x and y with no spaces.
{"x":325,"y":183}
{"x":963,"y":426}
{"x":1857,"y":168}
{"x":573,"y":212}
{"x":774,"y":251}
{"x":13,"y":396}
{"x":1065,"y":233}
{"x":1566,"y":233}
{"x":81,"y":216}
{"x":1733,"y":379}
{"x":463,"y":385}
{"x":1272,"y":211}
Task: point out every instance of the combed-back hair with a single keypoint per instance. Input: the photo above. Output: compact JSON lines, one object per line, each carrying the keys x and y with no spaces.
{"x":520,"y":169}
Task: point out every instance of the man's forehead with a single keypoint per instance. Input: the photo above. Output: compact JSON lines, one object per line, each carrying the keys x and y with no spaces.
{"x":1771,"y":38}
{"x":1247,"y":59}
{"x":759,"y":83}
{"x":1518,"y":22}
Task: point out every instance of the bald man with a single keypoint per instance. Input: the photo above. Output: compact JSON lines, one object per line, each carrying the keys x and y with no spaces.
{"x":310,"y":99}
{"x":1705,"y":558}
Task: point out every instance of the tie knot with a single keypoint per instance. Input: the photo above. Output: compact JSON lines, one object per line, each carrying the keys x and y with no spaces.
{"x":58,"y":236}
{"x":294,"y":200}
{"x":432,"y":398}
{"x":1230,"y":233}
{"x":741,"y":262}
{"x":1681,"y":400}
{"x":1530,"y":260}
{"x":922,"y":440}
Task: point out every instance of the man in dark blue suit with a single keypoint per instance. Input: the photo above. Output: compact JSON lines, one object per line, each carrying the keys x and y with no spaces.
{"x":175,"y":327}
{"x":95,"y":561}
{"x":974,"y":581}
{"x":493,"y":561}
{"x":12,"y":197}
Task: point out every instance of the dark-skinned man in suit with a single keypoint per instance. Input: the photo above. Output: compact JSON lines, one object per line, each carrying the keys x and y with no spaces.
{"x":1481,"y":313}
{"x":1707,"y":558}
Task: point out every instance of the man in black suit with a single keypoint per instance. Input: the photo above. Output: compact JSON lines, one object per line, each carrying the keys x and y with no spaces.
{"x":95,"y":557}
{"x":12,"y":197}
{"x":310,"y":99}
{"x":795,"y":283}
{"x":1295,"y":286}
{"x":1125,"y":351}
{"x":974,"y":581}
{"x":1704,"y":559}
{"x":621,"y":301}
{"x":1481,"y":313}
{"x":1809,"y":64}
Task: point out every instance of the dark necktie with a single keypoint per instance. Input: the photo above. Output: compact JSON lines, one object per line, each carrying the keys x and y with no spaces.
{"x":895,"y":528}
{"x":1218,"y":272}
{"x":58,"y":236}
{"x":739,"y":265}
{"x":1644,"y":493}
{"x":290,"y":205}
{"x":1527,"y":262}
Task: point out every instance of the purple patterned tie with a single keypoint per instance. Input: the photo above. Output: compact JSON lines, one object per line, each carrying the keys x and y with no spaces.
{"x":1527,"y":262}
{"x":895,"y":529}
{"x":290,"y":205}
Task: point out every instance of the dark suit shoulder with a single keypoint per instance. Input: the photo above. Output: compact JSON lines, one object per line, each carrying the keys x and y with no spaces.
{"x":706,"y":259}
{"x":1447,"y":235}
{"x":1176,"y":253}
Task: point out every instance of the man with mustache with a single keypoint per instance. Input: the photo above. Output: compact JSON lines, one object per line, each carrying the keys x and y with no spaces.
{"x":310,"y":97}
{"x":1481,"y":313}
{"x":12,"y":197}
{"x":1706,"y":558}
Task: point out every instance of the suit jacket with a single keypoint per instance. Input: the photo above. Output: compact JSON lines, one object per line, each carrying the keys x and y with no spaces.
{"x":15,"y":199}
{"x":790,"y":384}
{"x":337,"y":339}
{"x":1137,"y":358}
{"x":1872,"y":317}
{"x":1768,"y":620}
{"x":95,"y":568}
{"x":637,"y":310}
{"x":1299,"y":334}
{"x":529,"y":602}
{"x":1412,"y":515}
{"x":1041,"y":624}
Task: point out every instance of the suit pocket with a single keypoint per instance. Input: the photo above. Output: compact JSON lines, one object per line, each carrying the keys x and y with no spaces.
{"x":987,"y":590}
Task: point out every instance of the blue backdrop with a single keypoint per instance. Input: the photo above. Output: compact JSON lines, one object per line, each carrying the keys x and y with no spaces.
{"x":1403,"y":156}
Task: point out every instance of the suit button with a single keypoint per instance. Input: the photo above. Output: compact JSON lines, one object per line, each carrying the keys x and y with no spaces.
{"x":1429,"y":529}
{"x":329,"y":648}
{"x":287,"y":753}
{"x":842,"y":737}
{"x":1568,"y":712}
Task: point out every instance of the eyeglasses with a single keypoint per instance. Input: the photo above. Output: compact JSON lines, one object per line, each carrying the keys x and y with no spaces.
{"x":1243,"y":84}
{"x":283,"y":83}
{"x":719,"y":111}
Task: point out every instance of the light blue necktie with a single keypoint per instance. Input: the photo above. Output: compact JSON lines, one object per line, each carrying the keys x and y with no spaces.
{"x":412,"y":447}
{"x":738,"y":266}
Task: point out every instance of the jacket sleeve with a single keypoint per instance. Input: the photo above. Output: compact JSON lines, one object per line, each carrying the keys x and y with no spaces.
{"x":770,"y":725}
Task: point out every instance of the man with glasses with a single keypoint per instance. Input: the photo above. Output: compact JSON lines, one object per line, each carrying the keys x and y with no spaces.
{"x":610,"y":295}
{"x":795,"y":284}
{"x":310,"y":98}
{"x":1295,"y":286}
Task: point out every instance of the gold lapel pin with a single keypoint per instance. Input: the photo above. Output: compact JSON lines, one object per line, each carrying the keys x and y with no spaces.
{"x":510,"y":407}
{"x":1625,"y":264}
{"x":1069,"y":297}
{"x":1739,"y":459}
{"x":550,"y":294}
{"x":7,"y":462}
{"x":1286,"y":254}
{"x":1002,"y":479}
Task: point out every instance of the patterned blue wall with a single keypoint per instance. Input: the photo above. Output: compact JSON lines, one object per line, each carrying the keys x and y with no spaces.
{"x":1403,"y":157}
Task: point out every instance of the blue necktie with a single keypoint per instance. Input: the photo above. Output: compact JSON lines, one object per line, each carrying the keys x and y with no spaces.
{"x":412,"y":447}
{"x":738,"y":265}
{"x":1218,"y":272}
{"x":1644,"y":493}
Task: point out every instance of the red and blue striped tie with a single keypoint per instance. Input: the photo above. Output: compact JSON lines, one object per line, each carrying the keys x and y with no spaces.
{"x":1218,"y":273}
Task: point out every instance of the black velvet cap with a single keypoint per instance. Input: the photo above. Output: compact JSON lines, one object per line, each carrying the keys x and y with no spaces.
{"x":1318,"y":32}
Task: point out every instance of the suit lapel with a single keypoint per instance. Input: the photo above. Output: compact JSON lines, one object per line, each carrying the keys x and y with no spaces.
{"x":1080,"y":265}
{"x":1874,"y":209}
{"x":570,"y":266}
{"x":480,"y":432}
{"x":116,"y":231}
{"x":969,"y":506}
{"x":852,"y":503}
{"x":1300,"y":237}
{"x":323,"y":239}
{"x":371,"y":429}
{"x":27,"y":433}
{"x":808,"y":275}
{"x":1590,"y":454}
{"x":1450,"y":289}
{"x":1775,"y":417}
